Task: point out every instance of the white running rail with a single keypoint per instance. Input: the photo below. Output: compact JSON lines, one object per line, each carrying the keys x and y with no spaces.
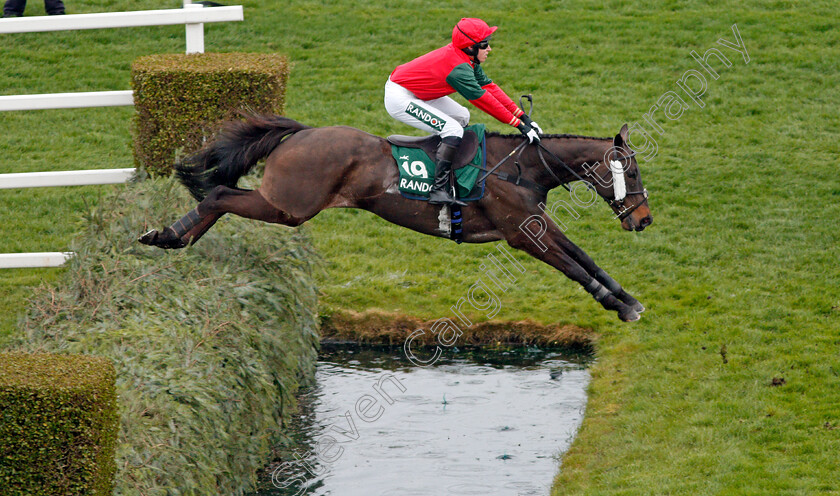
{"x":193,"y":16}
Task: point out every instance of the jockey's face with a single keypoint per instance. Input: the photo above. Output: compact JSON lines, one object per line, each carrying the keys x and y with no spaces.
{"x":482,"y":54}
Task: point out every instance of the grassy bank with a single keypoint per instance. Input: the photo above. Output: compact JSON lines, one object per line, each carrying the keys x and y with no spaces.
{"x":394,"y":329}
{"x":738,"y":271}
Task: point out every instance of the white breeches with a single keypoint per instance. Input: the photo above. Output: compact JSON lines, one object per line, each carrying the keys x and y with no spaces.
{"x":443,"y":116}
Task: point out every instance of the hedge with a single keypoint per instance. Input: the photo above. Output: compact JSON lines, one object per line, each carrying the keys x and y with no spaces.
{"x":210,"y":343}
{"x":58,"y":424}
{"x":180,"y":100}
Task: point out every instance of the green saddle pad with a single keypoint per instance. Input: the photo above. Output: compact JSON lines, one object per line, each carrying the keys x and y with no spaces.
{"x":417,"y":169}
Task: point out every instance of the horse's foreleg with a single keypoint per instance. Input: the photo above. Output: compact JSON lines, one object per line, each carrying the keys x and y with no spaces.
{"x":616,"y":289}
{"x":598,"y":273}
{"x":554,"y":253}
{"x":221,"y":200}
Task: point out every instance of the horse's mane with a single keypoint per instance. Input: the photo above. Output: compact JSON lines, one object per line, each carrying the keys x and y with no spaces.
{"x":566,"y":136}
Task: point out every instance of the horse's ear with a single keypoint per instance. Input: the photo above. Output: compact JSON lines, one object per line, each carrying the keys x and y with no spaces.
{"x":621,"y":137}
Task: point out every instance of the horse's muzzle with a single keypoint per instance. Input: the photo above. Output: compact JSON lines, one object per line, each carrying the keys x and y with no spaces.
{"x":646,"y":221}
{"x":631,"y":224}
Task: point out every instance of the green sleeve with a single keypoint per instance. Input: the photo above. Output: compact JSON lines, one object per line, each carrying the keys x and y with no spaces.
{"x":482,"y":78}
{"x":463,"y":80}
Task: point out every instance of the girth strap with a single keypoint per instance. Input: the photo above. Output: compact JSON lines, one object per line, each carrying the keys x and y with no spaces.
{"x":521,"y":181}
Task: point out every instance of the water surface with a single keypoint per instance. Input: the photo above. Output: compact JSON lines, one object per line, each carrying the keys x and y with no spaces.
{"x":476,"y":422}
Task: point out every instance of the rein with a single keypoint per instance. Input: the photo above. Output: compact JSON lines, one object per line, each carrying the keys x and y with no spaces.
{"x":540,"y":148}
{"x":623,"y":210}
{"x":518,"y":180}
{"x":493,"y":170}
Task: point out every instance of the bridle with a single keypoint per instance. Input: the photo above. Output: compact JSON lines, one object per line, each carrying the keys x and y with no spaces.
{"x":623,"y":211}
{"x":618,"y":205}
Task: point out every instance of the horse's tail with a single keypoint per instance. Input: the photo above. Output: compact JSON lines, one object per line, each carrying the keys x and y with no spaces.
{"x":237,"y":148}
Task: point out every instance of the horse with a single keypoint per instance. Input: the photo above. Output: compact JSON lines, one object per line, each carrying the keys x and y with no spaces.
{"x":309,"y":169}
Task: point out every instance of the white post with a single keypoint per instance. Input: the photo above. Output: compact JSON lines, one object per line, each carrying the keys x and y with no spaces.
{"x":195,"y":32}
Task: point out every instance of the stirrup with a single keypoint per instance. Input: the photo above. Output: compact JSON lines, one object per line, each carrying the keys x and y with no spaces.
{"x":446,"y":198}
{"x":456,"y":201}
{"x":439,"y":197}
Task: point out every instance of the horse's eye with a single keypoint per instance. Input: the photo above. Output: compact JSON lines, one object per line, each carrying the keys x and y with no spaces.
{"x":631,"y":174}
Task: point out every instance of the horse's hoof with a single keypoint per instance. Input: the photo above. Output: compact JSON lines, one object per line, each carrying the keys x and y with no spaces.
{"x":630,"y":301}
{"x":161,"y":240}
{"x":629,"y":316}
{"x":148,"y":238}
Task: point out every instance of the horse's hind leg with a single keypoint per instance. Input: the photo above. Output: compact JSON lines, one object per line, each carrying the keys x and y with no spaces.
{"x":221,"y":200}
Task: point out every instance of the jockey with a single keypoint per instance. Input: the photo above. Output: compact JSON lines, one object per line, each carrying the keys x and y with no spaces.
{"x":416,"y":94}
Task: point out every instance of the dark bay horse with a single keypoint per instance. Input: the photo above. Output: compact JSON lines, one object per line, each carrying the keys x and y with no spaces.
{"x":310,"y":169}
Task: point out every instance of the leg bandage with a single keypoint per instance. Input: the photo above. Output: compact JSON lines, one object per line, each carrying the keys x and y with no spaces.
{"x":598,"y":291}
{"x":186,"y":223}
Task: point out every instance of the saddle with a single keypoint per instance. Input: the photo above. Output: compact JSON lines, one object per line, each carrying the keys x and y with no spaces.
{"x":429,"y":144}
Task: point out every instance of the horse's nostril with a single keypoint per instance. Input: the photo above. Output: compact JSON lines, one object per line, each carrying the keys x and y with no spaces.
{"x":646,"y":221}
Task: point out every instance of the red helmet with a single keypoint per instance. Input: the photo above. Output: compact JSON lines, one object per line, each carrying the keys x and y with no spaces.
{"x":470,"y":31}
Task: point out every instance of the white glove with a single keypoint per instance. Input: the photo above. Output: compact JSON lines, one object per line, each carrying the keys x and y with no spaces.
{"x":537,"y":128}
{"x":528,"y":132}
{"x":533,"y":136}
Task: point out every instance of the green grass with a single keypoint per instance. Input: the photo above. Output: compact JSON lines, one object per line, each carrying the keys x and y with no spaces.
{"x":742,"y":253}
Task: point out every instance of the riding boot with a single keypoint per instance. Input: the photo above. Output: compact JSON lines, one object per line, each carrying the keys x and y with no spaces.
{"x":442,"y":192}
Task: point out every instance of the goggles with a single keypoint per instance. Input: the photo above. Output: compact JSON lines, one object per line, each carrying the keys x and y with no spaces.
{"x":483,"y":44}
